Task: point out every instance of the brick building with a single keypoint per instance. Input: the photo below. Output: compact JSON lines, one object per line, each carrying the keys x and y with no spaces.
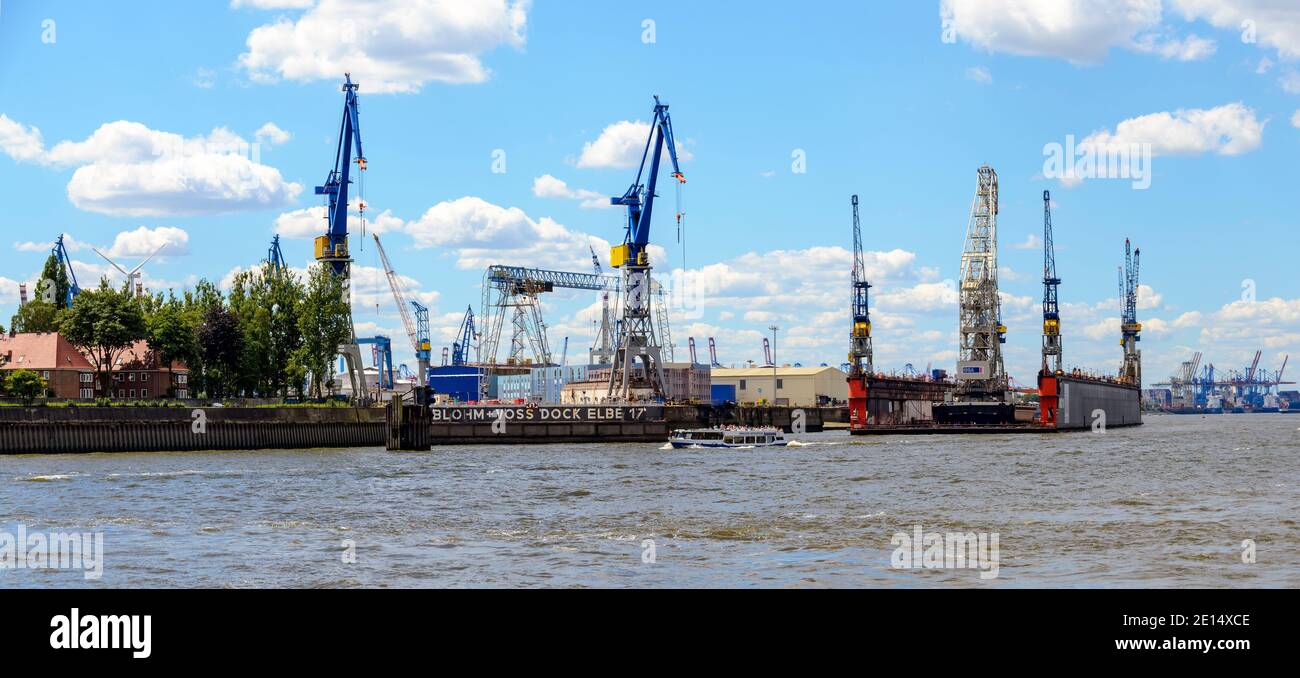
{"x":68,"y":373}
{"x":137,"y":374}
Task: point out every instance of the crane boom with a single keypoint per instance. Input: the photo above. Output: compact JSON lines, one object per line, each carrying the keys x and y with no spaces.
{"x":860,"y":358}
{"x":399,"y":296}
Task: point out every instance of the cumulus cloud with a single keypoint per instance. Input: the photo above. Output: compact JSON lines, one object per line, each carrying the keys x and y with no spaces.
{"x":271,"y":4}
{"x":271,"y":134}
{"x":309,"y":222}
{"x":388,"y":45}
{"x":1295,"y":119}
{"x":1080,"y":31}
{"x":1274,"y":24}
{"x":1190,"y":48}
{"x":1231,"y":129}
{"x":547,"y":186}
{"x":144,"y":241}
{"x":69,"y":243}
{"x":1032,"y":242}
{"x":482,"y":233}
{"x":620,"y":146}
{"x":126,"y":169}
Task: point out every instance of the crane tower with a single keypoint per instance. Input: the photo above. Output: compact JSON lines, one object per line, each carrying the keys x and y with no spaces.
{"x":1051,"y":310}
{"x":980,"y":374}
{"x":860,"y":361}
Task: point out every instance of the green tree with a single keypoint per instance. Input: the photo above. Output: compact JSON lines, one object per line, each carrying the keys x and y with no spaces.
{"x":267,"y":301}
{"x":103,"y":323}
{"x":221,"y":345}
{"x":27,"y":385}
{"x":53,"y":286}
{"x":173,"y":335}
{"x":37,"y":315}
{"x":325,"y":324}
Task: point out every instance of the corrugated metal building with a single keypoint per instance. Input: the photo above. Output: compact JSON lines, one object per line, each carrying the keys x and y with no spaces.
{"x":792,"y":386}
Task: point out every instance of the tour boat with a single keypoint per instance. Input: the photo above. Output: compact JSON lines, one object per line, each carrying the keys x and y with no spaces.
{"x":727,"y":437}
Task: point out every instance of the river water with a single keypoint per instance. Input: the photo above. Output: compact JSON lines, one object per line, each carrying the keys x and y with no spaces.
{"x":1167,"y":504}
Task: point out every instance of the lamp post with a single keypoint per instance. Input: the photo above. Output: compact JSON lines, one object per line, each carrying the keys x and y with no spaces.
{"x":774,"y":328}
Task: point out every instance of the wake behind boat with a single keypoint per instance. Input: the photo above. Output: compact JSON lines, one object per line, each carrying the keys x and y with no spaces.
{"x":727,"y":437}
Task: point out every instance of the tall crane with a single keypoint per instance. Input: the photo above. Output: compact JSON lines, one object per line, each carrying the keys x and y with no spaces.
{"x":1130,"y":371}
{"x":274,"y":256}
{"x":419,"y":342}
{"x":636,"y":331}
{"x":860,"y":359}
{"x":767,"y":354}
{"x":464,"y":338}
{"x":690,"y":344}
{"x":1051,"y":310}
{"x":713,"y":354}
{"x":980,"y":373}
{"x":61,"y":253}
{"x":332,"y":248}
{"x":602,"y":351}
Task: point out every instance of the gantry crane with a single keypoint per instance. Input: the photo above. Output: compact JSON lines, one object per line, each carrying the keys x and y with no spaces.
{"x":1130,"y":371}
{"x":332,"y":248}
{"x":1051,"y":310}
{"x":418,"y":335}
{"x":713,"y":354}
{"x":602,"y":351}
{"x":981,"y":376}
{"x":860,"y":358}
{"x":636,"y":331}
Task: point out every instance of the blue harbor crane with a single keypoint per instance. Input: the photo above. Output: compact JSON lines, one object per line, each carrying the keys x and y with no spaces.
{"x":860,"y":359}
{"x":332,"y":248}
{"x":636,"y":334}
{"x":275,"y":257}
{"x":383,"y":358}
{"x":1051,"y":310}
{"x":61,"y":253}
{"x":464,"y":337}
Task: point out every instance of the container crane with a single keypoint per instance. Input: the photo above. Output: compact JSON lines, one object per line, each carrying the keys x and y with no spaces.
{"x":332,"y":248}
{"x":419,"y":336}
{"x":1051,"y":310}
{"x":860,"y":358}
{"x":690,"y":344}
{"x":767,"y":354}
{"x":636,"y":332}
{"x":713,"y":354}
{"x":1131,"y":369}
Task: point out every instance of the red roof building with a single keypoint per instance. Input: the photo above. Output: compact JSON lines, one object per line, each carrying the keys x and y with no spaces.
{"x":137,"y":372}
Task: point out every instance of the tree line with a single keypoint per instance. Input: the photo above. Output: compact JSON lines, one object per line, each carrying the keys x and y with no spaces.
{"x":275,"y":334}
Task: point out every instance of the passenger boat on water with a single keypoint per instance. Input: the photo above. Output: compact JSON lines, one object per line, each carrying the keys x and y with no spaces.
{"x":727,"y":437}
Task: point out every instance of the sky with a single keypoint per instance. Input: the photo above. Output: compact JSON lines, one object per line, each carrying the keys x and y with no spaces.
{"x":496,"y":130}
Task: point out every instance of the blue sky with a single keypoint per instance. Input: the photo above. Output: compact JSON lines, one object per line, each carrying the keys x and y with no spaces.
{"x":898,"y":102}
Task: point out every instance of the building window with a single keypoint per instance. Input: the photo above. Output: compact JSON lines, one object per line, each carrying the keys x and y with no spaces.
{"x":87,"y":393}
{"x":132,"y":393}
{"x":121,"y":393}
{"x":45,"y":375}
{"x":144,"y":393}
{"x":182,"y":393}
{"x":87,"y":377}
{"x":742,"y":384}
{"x":130,"y":377}
{"x":144,"y":376}
{"x":182,"y":379}
{"x":780,"y":383}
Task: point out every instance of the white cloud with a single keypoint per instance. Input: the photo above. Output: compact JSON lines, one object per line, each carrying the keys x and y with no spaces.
{"x":1276,"y":23}
{"x":1191,"y":48}
{"x":309,"y":222}
{"x":204,"y":78}
{"x":126,"y":169}
{"x":1295,"y":119}
{"x":1032,"y":242}
{"x":979,"y":74}
{"x":1148,"y":298}
{"x":1265,"y":64}
{"x":144,"y":241}
{"x":1188,"y":319}
{"x":69,"y":243}
{"x":481,"y":233}
{"x":1080,"y":31}
{"x":620,"y":146}
{"x":1290,"y":82}
{"x":921,"y":297}
{"x":547,"y":186}
{"x":387,"y":45}
{"x":23,"y":144}
{"x":1230,"y":129}
{"x":270,"y":133}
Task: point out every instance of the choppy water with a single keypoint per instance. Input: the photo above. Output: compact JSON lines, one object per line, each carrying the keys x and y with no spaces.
{"x":1166,"y":504}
